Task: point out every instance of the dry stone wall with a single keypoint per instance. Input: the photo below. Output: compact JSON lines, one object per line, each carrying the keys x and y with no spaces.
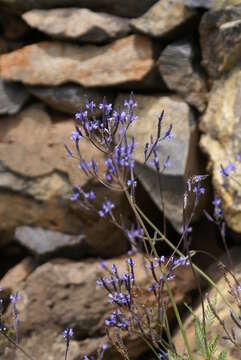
{"x":181,"y":56}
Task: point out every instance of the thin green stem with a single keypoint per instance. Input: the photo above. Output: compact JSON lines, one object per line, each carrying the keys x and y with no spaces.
{"x":205,"y":276}
{"x":183,"y":332}
{"x":134,"y":208}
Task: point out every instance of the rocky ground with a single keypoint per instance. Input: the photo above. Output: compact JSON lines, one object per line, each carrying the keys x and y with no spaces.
{"x":182,"y":56}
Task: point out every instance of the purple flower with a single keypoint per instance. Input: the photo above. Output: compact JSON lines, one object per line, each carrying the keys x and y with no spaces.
{"x":188,"y":229}
{"x":130,"y":104}
{"x":181,"y":261}
{"x":168,"y":134}
{"x":118,"y":320}
{"x":166,"y":163}
{"x":90,"y":105}
{"x":106,"y":209}
{"x":75,"y":136}
{"x":135,"y":233}
{"x":103,"y":348}
{"x":14,"y":299}
{"x":90,"y":196}
{"x":225,"y":171}
{"x":132,"y":183}
{"x":75,"y":196}
{"x":198,"y":190}
{"x":67,"y":334}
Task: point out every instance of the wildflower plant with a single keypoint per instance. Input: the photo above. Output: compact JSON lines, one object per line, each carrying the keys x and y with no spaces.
{"x":109,"y":134}
{"x":142,"y":312}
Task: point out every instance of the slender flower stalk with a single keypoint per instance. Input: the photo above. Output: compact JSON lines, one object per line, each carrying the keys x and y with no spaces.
{"x":67,"y":334}
{"x":14,"y":299}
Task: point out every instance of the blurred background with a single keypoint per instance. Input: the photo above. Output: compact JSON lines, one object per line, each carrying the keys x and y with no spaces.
{"x":179,"y":56}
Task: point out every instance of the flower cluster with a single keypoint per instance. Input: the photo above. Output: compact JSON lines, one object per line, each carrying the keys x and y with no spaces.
{"x":108,"y":133}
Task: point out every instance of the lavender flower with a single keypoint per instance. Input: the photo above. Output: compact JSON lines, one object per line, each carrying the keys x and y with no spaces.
{"x":14,"y":299}
{"x":67,"y":334}
{"x":106,"y":209}
{"x":117,"y":319}
{"x":103,"y":348}
{"x":226,"y":171}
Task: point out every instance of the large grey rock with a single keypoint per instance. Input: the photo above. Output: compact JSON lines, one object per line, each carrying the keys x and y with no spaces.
{"x":12,"y":97}
{"x":126,"y":8}
{"x":68,"y":98}
{"x":125,"y":60}
{"x":182,"y":149}
{"x":221,"y":141}
{"x":163,"y":19}
{"x":82,"y":25}
{"x":36,"y":180}
{"x":206,"y":4}
{"x":211,"y":4}
{"x":178,"y":71}
{"x":220,"y":37}
{"x":46,"y":243}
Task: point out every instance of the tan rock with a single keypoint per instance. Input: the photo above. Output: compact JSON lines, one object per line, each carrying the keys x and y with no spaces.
{"x":14,"y":278}
{"x":221,"y":141}
{"x":37,"y":180}
{"x":182,"y":149}
{"x":176,"y":68}
{"x":82,"y":25}
{"x":224,"y":314}
{"x":163,"y":18}
{"x":125,"y":60}
{"x":220,"y":38}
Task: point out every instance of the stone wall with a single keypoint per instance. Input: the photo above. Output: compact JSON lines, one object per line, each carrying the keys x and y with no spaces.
{"x":179,"y":56}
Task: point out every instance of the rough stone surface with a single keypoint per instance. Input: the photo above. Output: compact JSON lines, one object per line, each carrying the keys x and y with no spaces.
{"x":222,"y":142}
{"x":68,"y":98}
{"x":176,"y":68}
{"x":15,"y":277}
{"x":182,"y":150}
{"x":163,"y":18}
{"x":125,"y":60}
{"x":46,"y":243}
{"x":12,"y":97}
{"x":62,"y":293}
{"x":220,"y":37}
{"x":223,"y":312}
{"x":36,"y":180}
{"x":81,"y":25}
{"x":127,"y":8}
{"x":211,"y":4}
{"x":206,"y":4}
